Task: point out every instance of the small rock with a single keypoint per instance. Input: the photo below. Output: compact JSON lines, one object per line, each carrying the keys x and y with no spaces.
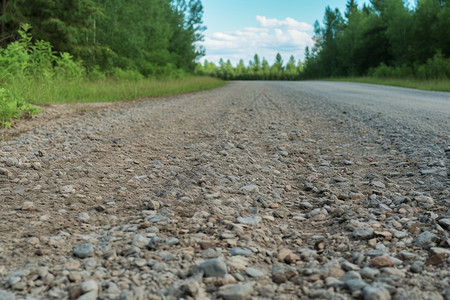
{"x":424,"y":201}
{"x":154,"y":205}
{"x":89,"y":296}
{"x":445,"y":222}
{"x":5,"y":172}
{"x":140,"y":241}
{"x":11,"y":161}
{"x":281,"y":274}
{"x":84,"y":217}
{"x":211,"y":253}
{"x":288,"y":256}
{"x":253,"y":220}
{"x":4,"y":295}
{"x":84,"y":250}
{"x":255,"y":273}
{"x":436,"y":259}
{"x":28,"y":206}
{"x":355,"y":284}
{"x":350,"y":275}
{"x":376,"y":293}
{"x":89,"y":286}
{"x":67,"y":189}
{"x":213,"y":268}
{"x":236,"y":291}
{"x":250,"y":188}
{"x":370,"y":273}
{"x":363,"y":233}
{"x":424,"y":239}
{"x":381,"y":262}
{"x":241,"y":251}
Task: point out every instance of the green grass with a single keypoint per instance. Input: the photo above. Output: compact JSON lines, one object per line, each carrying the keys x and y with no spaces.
{"x":442,"y":85}
{"x":108,"y":90}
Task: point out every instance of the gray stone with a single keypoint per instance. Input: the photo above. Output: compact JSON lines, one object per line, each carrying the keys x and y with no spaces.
{"x":89,"y":296}
{"x":350,"y":275}
{"x":355,"y":284}
{"x":213,"y":268}
{"x":445,"y":222}
{"x":399,"y":234}
{"x":11,"y":161}
{"x":89,"y":286}
{"x":253,"y":220}
{"x":250,"y":188}
{"x":236,"y":291}
{"x":211,"y":253}
{"x":363,"y":233}
{"x":334,"y":282}
{"x":424,"y":201}
{"x":241,"y":251}
{"x":424,"y":239}
{"x":84,"y":250}
{"x":375,"y":292}
{"x":370,"y":273}
{"x":417,"y":267}
{"x":140,"y":241}
{"x":255,"y":273}
{"x":281,"y":274}
{"x":172,"y":241}
{"x":4,"y":295}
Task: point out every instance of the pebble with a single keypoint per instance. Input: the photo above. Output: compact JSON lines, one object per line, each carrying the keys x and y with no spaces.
{"x":250,"y":188}
{"x":236,"y":291}
{"x":445,"y":222}
{"x":4,"y":295}
{"x":381,"y":262}
{"x":355,"y":284}
{"x":255,"y":273}
{"x":281,"y":274}
{"x":424,"y":239}
{"x":375,"y":292}
{"x":213,"y":268}
{"x":84,"y":250}
{"x":241,"y":251}
{"x":28,"y":206}
{"x":363,"y":233}
{"x":140,"y":241}
{"x":253,"y":220}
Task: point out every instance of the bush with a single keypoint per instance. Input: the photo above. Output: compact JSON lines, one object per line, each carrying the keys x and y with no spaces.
{"x":13,"y":107}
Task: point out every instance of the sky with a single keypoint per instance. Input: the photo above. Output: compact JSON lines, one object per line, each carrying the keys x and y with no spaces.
{"x":237,"y":29}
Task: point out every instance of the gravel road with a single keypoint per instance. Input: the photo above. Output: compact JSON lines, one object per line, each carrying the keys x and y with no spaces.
{"x":256,"y":190}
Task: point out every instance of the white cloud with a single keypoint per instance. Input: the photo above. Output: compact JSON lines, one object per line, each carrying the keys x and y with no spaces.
{"x":288,"y":37}
{"x":288,"y":22}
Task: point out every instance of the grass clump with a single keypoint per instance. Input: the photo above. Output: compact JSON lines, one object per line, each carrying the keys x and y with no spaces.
{"x":13,"y":107}
{"x":442,"y":85}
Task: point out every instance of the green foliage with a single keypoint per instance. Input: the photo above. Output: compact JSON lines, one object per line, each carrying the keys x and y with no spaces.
{"x":256,"y":69}
{"x":384,"y":39}
{"x":13,"y":107}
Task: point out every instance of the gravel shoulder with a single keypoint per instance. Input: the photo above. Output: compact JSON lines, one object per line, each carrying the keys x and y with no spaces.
{"x":261,"y":190}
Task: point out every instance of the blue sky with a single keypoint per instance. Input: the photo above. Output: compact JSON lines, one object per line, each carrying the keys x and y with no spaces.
{"x":240,"y":28}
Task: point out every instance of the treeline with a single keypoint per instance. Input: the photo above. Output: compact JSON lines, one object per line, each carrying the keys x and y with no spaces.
{"x":256,"y":69}
{"x":383,"y":39}
{"x":152,"y":37}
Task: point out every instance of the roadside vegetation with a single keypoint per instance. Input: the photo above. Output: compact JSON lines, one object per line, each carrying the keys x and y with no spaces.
{"x":96,"y":50}
{"x":381,"y":42}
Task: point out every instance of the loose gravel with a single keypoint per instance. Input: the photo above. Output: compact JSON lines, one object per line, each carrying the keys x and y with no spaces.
{"x":251,"y":191}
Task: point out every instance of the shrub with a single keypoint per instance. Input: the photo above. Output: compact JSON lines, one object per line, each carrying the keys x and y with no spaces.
{"x":13,"y":107}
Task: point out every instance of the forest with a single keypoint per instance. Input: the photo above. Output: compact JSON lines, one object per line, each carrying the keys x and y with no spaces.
{"x":96,"y":50}
{"x":385,"y":38}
